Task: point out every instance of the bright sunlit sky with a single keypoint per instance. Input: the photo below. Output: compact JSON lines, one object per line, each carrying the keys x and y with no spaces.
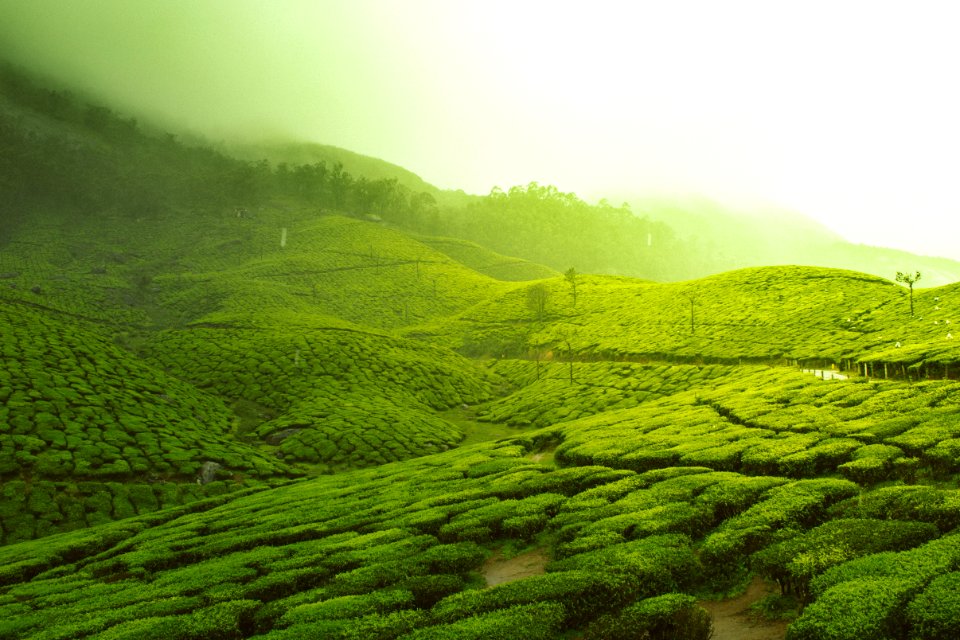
{"x":848,"y":112}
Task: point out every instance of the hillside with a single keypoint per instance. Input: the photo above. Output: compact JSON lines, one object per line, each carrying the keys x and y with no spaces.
{"x":249,"y":402}
{"x":784,"y":315}
{"x":767,"y":235}
{"x":297,"y":153}
{"x":66,"y":154}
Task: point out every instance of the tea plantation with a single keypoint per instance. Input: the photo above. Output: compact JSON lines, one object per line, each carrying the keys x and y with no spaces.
{"x":238,"y":426}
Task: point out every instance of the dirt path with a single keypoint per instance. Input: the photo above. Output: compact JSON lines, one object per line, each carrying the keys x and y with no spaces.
{"x":498,"y":570}
{"x":732,"y":619}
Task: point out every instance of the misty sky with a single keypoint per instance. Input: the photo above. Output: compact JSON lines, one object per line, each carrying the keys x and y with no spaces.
{"x":846,"y":111}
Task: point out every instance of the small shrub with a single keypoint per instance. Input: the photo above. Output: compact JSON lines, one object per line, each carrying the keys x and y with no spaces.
{"x":672,"y":616}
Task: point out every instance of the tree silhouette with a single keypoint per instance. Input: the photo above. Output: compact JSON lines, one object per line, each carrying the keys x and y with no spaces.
{"x":571,"y":276}
{"x":908,"y":280}
{"x":566,"y":333}
{"x":692,"y":298}
{"x":537,"y":297}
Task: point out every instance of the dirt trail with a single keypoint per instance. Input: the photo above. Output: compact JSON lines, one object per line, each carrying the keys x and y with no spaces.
{"x":733,"y":620}
{"x":498,"y":570}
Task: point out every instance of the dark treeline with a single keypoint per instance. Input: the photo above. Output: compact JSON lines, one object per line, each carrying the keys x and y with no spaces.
{"x":558,"y":229}
{"x":96,"y":160}
{"x":61,"y":152}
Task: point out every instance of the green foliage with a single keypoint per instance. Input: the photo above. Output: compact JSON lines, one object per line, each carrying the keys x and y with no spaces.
{"x":171,"y":328}
{"x":797,"y":504}
{"x":557,"y":229}
{"x":348,"y":607}
{"x":794,"y":562}
{"x":658,"y":564}
{"x":914,"y":567}
{"x":488,"y":262}
{"x":935,"y":613}
{"x":863,"y":608}
{"x":82,"y":408}
{"x":667,"y":617}
{"x":540,"y":621}
{"x":940,"y":507}
{"x":584,"y":595}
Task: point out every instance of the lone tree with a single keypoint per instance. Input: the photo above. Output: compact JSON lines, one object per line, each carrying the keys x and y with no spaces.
{"x":566,"y":333}
{"x":692,"y":299}
{"x":536,"y":342}
{"x":571,"y":276}
{"x":537,"y":297}
{"x":908,"y":280}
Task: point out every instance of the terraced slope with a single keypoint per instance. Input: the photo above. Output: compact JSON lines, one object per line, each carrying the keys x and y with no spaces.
{"x":648,"y":509}
{"x":547,"y":395}
{"x":78,"y":406}
{"x":357,"y":271}
{"x":174,"y":270}
{"x":89,"y":433}
{"x":923,"y":345}
{"x":290,"y":384}
{"x":652,"y":454}
{"x":664,"y":481}
{"x":770,"y":314}
{"x":773,"y":420}
{"x":489,"y":262}
{"x":331,"y":396}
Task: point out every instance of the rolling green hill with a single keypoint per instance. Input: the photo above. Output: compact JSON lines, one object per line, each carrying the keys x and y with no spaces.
{"x":772,"y":314}
{"x":489,"y":262}
{"x":237,"y":401}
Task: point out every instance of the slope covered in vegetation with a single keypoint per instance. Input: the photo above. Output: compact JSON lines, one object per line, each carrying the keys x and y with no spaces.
{"x":235,"y":399}
{"x":395,"y":551}
{"x":769,"y":314}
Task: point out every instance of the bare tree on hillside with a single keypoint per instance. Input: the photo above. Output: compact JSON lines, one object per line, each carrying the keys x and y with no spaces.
{"x":537,"y":297}
{"x":571,"y":277}
{"x":908,"y":280}
{"x":566,"y":335}
{"x":692,"y":299}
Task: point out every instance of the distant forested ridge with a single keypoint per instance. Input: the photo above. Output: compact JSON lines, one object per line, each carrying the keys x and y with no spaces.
{"x":63,"y":152}
{"x":558,"y":229}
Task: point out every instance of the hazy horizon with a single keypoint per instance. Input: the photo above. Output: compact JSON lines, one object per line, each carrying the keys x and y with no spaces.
{"x":841,"y":111}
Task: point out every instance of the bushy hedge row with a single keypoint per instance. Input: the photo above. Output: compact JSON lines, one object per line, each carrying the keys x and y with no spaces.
{"x":783,"y":423}
{"x":940,"y":507}
{"x":538,"y":621}
{"x":74,"y":406}
{"x":359,"y":429}
{"x":935,"y":613}
{"x":672,"y":616}
{"x":793,"y":563}
{"x":799,"y":504}
{"x":598,"y":387}
{"x":278,"y":368}
{"x":41,"y":508}
{"x":866,"y":597}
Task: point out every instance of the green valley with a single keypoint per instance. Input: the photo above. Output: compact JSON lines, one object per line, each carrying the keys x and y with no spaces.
{"x":245,"y":401}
